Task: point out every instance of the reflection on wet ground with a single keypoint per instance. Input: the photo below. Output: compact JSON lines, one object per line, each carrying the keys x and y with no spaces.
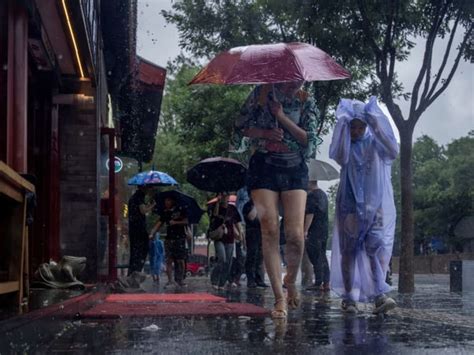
{"x":431,"y":321}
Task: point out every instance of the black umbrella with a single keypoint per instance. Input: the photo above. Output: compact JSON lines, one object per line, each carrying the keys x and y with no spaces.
{"x":217,"y":175}
{"x":193,"y":211}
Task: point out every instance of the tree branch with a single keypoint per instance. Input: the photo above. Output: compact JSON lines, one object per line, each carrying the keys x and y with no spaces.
{"x":366,"y":27}
{"x":428,"y":52}
{"x":452,"y":72}
{"x":445,"y":59}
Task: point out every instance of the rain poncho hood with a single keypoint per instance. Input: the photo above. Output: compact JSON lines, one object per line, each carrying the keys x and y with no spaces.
{"x":365,"y":210}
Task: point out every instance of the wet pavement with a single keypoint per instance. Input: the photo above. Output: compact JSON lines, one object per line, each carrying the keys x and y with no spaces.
{"x":433,"y":320}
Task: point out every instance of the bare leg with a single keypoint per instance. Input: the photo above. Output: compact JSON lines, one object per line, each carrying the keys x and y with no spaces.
{"x":294,"y":203}
{"x":266,"y":203}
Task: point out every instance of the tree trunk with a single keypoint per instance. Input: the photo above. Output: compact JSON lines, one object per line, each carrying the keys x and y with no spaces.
{"x":406,"y":281}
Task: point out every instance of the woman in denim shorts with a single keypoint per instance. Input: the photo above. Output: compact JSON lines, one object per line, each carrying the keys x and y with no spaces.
{"x":278,"y":122}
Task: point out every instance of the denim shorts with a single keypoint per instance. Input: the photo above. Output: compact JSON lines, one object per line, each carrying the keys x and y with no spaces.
{"x":262,"y":175}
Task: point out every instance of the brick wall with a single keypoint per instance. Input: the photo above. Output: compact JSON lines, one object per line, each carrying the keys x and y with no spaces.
{"x":433,"y":264}
{"x":79,"y":203}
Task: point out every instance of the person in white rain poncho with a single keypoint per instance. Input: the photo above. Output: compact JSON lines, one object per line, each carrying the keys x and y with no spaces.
{"x":364,"y":145}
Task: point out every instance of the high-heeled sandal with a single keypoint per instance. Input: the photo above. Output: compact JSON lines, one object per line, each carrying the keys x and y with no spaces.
{"x":293,"y":298}
{"x":280,"y":310}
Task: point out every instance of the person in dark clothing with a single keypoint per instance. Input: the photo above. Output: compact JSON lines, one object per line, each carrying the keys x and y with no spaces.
{"x":175,"y":219}
{"x":226,"y":214}
{"x":316,"y":235}
{"x":137,"y":210}
{"x":253,"y":238}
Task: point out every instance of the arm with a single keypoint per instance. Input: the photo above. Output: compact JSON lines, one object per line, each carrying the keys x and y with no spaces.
{"x":341,"y":137}
{"x":147,"y":208}
{"x":385,"y":141}
{"x":252,"y":214}
{"x":297,"y":132}
{"x":308,"y":219}
{"x":155,"y":228}
{"x":175,"y":222}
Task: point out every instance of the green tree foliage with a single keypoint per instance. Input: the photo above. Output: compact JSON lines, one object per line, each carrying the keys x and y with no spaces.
{"x":202,"y":116}
{"x":443,"y":181}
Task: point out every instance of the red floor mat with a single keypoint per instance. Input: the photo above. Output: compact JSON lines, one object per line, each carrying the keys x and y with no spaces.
{"x":118,"y":309}
{"x":164,"y":297}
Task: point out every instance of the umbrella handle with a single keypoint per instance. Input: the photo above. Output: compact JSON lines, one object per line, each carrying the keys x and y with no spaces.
{"x":274,"y":99}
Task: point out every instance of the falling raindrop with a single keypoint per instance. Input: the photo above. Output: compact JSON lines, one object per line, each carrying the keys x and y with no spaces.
{"x":81,"y":133}
{"x":5,"y":67}
{"x":60,"y":56}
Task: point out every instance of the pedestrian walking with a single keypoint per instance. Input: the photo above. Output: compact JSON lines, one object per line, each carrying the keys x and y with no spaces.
{"x":364,"y":145}
{"x":157,"y":257}
{"x":279,"y":121}
{"x":137,"y":230}
{"x":253,"y":236}
{"x":176,"y":221}
{"x":316,"y":235}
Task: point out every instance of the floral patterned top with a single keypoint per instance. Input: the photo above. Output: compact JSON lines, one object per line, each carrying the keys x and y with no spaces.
{"x":255,"y":113}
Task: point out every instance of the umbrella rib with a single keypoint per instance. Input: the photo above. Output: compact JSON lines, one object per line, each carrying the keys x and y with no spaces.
{"x":297,"y":62}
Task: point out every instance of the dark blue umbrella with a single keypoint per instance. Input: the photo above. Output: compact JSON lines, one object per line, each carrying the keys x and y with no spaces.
{"x":190,"y":205}
{"x":152,"y":177}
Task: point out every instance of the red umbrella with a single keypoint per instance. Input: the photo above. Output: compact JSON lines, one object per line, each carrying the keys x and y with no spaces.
{"x":271,"y":63}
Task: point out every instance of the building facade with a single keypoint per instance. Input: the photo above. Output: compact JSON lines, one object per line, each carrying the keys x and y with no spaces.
{"x":72,"y":95}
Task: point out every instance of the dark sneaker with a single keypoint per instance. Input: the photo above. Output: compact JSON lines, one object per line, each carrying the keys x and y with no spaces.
{"x":251,"y":285}
{"x":349,"y":307}
{"x":262,"y":285}
{"x":383,"y":304}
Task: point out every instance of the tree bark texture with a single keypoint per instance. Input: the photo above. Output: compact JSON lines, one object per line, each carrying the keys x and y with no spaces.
{"x":406,"y":281}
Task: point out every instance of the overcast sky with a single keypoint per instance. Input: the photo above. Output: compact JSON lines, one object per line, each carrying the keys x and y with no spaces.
{"x":450,"y":117}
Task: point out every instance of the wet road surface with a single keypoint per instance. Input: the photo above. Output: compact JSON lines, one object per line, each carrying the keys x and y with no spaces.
{"x":433,"y":320}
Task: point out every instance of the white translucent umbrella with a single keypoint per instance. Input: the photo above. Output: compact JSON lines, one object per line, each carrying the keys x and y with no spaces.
{"x":321,"y":171}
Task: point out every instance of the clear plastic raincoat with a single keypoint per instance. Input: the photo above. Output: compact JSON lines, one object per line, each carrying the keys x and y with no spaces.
{"x":365,"y":210}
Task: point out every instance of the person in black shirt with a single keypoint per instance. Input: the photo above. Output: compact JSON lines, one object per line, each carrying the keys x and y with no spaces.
{"x":175,"y":219}
{"x":316,"y":235}
{"x":137,"y":210}
{"x":253,"y":238}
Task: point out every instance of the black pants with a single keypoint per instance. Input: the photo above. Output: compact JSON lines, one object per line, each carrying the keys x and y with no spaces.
{"x":139,"y":245}
{"x":254,"y":261}
{"x":238,"y":264}
{"x":316,"y":250}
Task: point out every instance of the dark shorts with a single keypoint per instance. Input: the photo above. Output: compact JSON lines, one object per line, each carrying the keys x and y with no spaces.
{"x":175,"y":249}
{"x":262,"y":175}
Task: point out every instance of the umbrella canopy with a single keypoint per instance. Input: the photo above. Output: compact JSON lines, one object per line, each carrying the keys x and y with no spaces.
{"x":152,"y":177}
{"x":232,"y":200}
{"x":193,"y":211}
{"x":321,"y":171}
{"x":271,"y":63}
{"x":217,"y":175}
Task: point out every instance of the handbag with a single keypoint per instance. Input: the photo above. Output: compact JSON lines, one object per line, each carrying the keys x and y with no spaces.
{"x":284,"y":160}
{"x":217,"y":233}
